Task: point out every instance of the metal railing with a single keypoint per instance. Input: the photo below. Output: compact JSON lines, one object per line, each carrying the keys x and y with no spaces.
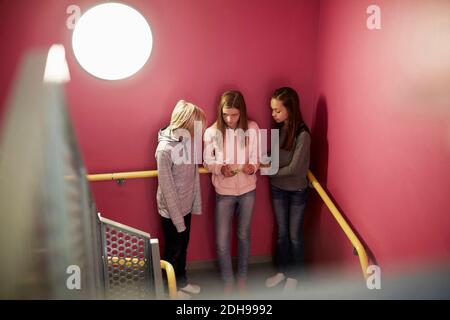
{"x":131,"y":263}
{"x":363,"y":260}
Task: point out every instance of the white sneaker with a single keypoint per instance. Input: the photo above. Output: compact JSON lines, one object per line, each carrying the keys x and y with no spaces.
{"x":181,"y":295}
{"x":275,"y":280}
{"x":191,"y":288}
{"x":290,"y":286}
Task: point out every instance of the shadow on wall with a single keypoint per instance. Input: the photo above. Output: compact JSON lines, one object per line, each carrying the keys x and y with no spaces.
{"x":319,"y":141}
{"x":314,"y":220}
{"x":319,"y":167}
{"x":369,"y":252}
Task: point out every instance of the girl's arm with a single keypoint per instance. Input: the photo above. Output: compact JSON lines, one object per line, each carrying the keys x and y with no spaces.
{"x":254,"y":144}
{"x":197,"y":205}
{"x":211,"y":161}
{"x":300,"y":156}
{"x":169,"y":191}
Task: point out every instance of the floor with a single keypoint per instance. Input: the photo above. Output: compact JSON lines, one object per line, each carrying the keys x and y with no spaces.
{"x":328,"y":283}
{"x":212,"y":287}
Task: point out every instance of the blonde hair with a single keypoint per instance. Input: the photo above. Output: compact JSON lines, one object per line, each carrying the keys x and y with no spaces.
{"x":184,"y":114}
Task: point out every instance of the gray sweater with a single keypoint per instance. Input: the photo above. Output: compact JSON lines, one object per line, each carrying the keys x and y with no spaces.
{"x":178,"y":184}
{"x":294,"y":164}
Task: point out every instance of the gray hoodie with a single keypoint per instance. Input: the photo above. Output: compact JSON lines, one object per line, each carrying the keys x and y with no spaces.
{"x":178,"y":184}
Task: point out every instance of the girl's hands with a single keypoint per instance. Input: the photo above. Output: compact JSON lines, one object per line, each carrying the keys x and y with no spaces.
{"x":226,"y":171}
{"x":248,"y":169}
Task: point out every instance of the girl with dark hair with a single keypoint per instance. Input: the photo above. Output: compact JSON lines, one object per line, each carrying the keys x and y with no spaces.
{"x":289,"y":186}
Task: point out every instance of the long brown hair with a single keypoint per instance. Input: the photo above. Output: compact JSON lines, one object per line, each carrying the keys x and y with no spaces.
{"x":290,"y":100}
{"x":232,"y":99}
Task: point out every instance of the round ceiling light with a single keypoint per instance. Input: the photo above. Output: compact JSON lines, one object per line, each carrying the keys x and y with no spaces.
{"x":112,"y":41}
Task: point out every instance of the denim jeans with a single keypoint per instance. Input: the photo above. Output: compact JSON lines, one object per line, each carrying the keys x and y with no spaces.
{"x":289,"y":207}
{"x":226,"y":206}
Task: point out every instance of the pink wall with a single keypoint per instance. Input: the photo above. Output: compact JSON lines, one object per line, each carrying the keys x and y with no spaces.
{"x":381,"y":131}
{"x":201,"y":48}
{"x":378,"y":108}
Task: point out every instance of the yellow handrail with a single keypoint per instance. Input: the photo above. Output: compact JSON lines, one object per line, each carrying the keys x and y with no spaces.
{"x":129,"y":175}
{"x":122,"y":175}
{"x":336,"y":214}
{"x":343,"y":224}
{"x":171,"y":282}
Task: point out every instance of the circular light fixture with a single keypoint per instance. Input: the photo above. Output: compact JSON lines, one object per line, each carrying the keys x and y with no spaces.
{"x":112,"y":41}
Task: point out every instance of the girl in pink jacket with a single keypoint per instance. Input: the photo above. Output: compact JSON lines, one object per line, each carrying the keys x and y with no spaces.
{"x":231,"y":154}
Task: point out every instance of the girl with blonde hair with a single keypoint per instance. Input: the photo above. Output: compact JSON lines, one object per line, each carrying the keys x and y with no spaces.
{"x":178,"y":195}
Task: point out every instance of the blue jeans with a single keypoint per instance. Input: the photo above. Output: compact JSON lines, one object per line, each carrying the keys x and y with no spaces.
{"x":289,"y":207}
{"x":225,"y":210}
